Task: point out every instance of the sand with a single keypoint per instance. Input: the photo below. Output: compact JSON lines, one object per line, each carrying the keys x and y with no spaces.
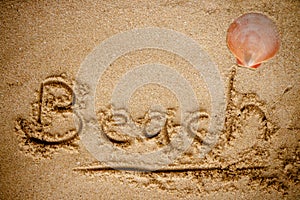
{"x":43,"y":156}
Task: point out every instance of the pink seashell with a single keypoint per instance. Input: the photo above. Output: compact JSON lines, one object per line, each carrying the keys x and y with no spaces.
{"x":253,"y":39}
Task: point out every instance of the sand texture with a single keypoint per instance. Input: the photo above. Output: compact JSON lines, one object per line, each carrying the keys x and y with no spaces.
{"x":45,"y":47}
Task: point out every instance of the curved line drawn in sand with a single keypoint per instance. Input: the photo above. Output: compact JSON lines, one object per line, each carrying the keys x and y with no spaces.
{"x":52,"y":122}
{"x":102,"y":56}
{"x":157,"y":121}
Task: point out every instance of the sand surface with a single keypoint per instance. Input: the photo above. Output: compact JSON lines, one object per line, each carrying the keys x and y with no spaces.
{"x":43,"y":45}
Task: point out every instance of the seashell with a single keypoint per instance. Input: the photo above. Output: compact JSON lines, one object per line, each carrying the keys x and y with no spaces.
{"x":253,"y":38}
